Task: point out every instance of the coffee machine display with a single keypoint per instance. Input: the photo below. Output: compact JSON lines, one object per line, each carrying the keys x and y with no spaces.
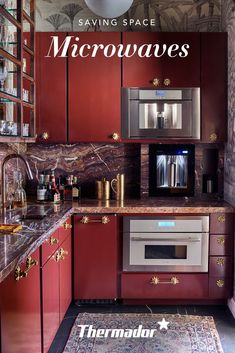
{"x":171,"y":170}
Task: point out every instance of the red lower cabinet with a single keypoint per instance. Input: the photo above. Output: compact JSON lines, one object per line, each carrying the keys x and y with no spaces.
{"x":50,"y":300}
{"x":164,"y":286}
{"x":20,"y":309}
{"x":95,"y":257}
{"x":56,"y":286}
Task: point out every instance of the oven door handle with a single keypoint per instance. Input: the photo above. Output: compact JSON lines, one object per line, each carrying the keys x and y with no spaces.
{"x":188,"y":240}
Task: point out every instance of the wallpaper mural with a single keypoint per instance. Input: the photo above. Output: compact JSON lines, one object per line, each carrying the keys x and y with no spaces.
{"x":228,"y":25}
{"x":163,"y":15}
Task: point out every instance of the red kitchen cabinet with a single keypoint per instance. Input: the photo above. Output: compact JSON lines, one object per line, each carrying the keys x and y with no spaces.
{"x":214,"y":86}
{"x":95,"y":257}
{"x":50,"y":300}
{"x":181,"y":71}
{"x":20,"y":309}
{"x":187,"y":286}
{"x":94,"y":85}
{"x":56,"y":282}
{"x":65,"y":276}
{"x":51,"y":91}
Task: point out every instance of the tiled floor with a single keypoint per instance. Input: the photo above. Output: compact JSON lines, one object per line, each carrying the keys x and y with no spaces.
{"x":224,"y":320}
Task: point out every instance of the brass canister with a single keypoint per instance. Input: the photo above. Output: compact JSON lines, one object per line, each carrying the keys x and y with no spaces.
{"x":106,"y":189}
{"x":99,"y":190}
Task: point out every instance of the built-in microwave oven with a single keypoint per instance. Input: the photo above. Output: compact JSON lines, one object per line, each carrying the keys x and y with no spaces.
{"x":161,"y":113}
{"x":165,"y":243}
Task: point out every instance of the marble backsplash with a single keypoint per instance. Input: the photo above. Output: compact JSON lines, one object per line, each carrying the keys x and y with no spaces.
{"x":91,"y":162}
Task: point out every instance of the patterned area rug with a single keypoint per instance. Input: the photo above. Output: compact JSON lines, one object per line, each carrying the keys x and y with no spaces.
{"x":143,"y":333}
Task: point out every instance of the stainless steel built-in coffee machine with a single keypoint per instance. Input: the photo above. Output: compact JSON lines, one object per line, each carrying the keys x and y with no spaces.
{"x":171,"y":170}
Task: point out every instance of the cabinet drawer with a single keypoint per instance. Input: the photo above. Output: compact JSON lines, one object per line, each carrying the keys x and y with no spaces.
{"x":221,"y":245}
{"x":221,"y":266}
{"x":221,"y":223}
{"x":190,"y":286}
{"x":220,"y":288}
{"x":65,"y":230}
{"x":50,"y":246}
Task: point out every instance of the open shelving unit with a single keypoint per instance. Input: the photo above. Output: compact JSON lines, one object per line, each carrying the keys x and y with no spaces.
{"x":17,"y":71}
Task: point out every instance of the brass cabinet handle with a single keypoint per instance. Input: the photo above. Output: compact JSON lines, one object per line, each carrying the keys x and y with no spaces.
{"x":63,"y":253}
{"x":213,"y":137}
{"x":45,"y":135}
{"x":220,"y":261}
{"x":156,"y":82}
{"x":30,"y":263}
{"x":67,"y":226}
{"x":167,"y":82}
{"x":221,"y":219}
{"x":156,"y":280}
{"x":115,"y":136}
{"x":220,"y":283}
{"x":103,"y":220}
{"x":52,"y":241}
{"x":221,"y":241}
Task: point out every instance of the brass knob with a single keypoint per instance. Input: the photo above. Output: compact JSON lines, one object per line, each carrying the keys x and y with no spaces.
{"x":220,"y":283}
{"x":115,"y":136}
{"x":167,"y":82}
{"x":221,"y":241}
{"x":220,"y":261}
{"x":67,"y":226}
{"x":63,"y":253}
{"x":105,"y":220}
{"x":156,"y":82}
{"x":213,"y":137}
{"x":84,"y":220}
{"x":221,"y":219}
{"x":45,"y":135}
{"x":53,"y":241}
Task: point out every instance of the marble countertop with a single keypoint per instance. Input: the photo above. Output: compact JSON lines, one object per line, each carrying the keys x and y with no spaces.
{"x":15,"y":248}
{"x":153,"y":205}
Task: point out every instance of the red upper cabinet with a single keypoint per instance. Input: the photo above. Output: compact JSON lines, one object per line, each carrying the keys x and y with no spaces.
{"x":214,"y":86}
{"x":167,"y":71}
{"x":51,"y":99}
{"x":94,"y":85}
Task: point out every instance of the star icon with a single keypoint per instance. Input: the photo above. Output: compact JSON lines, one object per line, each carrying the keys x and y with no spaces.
{"x":163,"y":324}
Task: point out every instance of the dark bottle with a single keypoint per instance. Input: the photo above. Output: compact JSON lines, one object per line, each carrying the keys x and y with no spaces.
{"x":54,"y":189}
{"x":68,"y":189}
{"x":61,"y":187}
{"x":49,"y":194}
{"x":76,"y":189}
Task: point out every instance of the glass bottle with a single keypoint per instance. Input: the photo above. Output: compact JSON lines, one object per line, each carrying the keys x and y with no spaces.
{"x":76,"y":189}
{"x":20,"y":199}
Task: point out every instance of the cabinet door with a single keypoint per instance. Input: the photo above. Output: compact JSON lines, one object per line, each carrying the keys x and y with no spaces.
{"x":94,"y":85}
{"x":20,"y":311}
{"x":182,"y":72}
{"x":214,"y":86}
{"x":65,"y":276}
{"x":50,"y":300}
{"x":95,"y":258}
{"x":51,"y":99}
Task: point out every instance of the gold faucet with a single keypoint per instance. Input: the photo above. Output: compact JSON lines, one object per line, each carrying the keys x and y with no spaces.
{"x":3,"y":173}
